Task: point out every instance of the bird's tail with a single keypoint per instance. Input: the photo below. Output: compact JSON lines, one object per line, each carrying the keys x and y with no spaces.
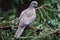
{"x":19,"y":32}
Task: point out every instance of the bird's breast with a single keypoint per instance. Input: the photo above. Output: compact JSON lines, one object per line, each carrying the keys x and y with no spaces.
{"x":29,"y":17}
{"x":30,"y":13}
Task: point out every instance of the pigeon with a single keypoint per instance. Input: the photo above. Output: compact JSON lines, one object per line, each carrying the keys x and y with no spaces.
{"x":26,"y":18}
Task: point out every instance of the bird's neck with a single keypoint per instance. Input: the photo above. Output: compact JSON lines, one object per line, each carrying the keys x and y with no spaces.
{"x":31,"y":7}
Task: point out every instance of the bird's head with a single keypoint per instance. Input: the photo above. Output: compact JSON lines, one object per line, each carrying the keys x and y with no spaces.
{"x":34,"y":4}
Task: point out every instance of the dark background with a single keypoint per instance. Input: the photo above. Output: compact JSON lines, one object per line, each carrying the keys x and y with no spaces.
{"x":9,"y":4}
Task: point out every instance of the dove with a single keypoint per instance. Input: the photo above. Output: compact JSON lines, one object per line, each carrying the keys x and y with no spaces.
{"x":26,"y":18}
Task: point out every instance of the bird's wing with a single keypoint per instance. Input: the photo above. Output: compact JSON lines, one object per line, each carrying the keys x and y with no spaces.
{"x":22,"y":14}
{"x":21,"y":26}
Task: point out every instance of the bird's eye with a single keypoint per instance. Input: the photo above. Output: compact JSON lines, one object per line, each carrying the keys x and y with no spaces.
{"x":35,"y":4}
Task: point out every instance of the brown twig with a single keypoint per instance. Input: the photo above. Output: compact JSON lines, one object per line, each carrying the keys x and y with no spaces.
{"x":7,"y":27}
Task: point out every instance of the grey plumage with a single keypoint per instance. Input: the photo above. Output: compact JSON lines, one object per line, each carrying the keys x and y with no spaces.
{"x":26,"y":18}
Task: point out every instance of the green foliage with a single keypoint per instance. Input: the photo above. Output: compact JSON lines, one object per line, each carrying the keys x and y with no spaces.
{"x":47,"y":20}
{"x":8,"y":18}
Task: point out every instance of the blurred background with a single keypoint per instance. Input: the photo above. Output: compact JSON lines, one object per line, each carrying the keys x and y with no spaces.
{"x":45,"y":27}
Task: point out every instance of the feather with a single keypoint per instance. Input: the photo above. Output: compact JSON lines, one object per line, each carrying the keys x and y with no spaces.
{"x":19,"y":31}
